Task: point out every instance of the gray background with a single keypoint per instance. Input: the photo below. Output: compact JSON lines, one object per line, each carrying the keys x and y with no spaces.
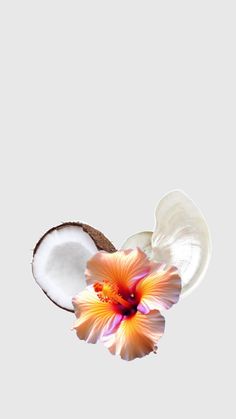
{"x":106,"y":106}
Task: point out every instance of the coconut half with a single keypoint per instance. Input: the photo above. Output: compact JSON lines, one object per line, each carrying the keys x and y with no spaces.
{"x":60,"y":258}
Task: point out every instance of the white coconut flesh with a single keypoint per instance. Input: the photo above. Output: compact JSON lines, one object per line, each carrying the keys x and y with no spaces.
{"x":59,"y":263}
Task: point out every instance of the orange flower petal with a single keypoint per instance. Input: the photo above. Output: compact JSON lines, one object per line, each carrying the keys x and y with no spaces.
{"x":161,"y":289}
{"x":137,"y":336}
{"x":121,"y":268}
{"x":95,"y":318}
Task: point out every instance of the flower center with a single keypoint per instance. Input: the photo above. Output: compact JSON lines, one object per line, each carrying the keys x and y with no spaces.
{"x":109,"y":293}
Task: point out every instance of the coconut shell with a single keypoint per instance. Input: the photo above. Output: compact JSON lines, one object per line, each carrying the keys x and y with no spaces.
{"x":101,"y":242}
{"x":99,"y":239}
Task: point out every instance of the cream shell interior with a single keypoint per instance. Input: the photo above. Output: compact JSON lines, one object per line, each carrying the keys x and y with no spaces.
{"x":180,"y":238}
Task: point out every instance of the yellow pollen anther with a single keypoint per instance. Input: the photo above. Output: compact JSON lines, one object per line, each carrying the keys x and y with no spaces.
{"x":106,"y":290}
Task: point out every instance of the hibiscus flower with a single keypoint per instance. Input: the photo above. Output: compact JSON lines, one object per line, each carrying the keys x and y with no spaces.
{"x":121,"y":304}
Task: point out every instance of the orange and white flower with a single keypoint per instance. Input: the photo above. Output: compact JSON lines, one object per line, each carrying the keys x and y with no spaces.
{"x":122,"y":302}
